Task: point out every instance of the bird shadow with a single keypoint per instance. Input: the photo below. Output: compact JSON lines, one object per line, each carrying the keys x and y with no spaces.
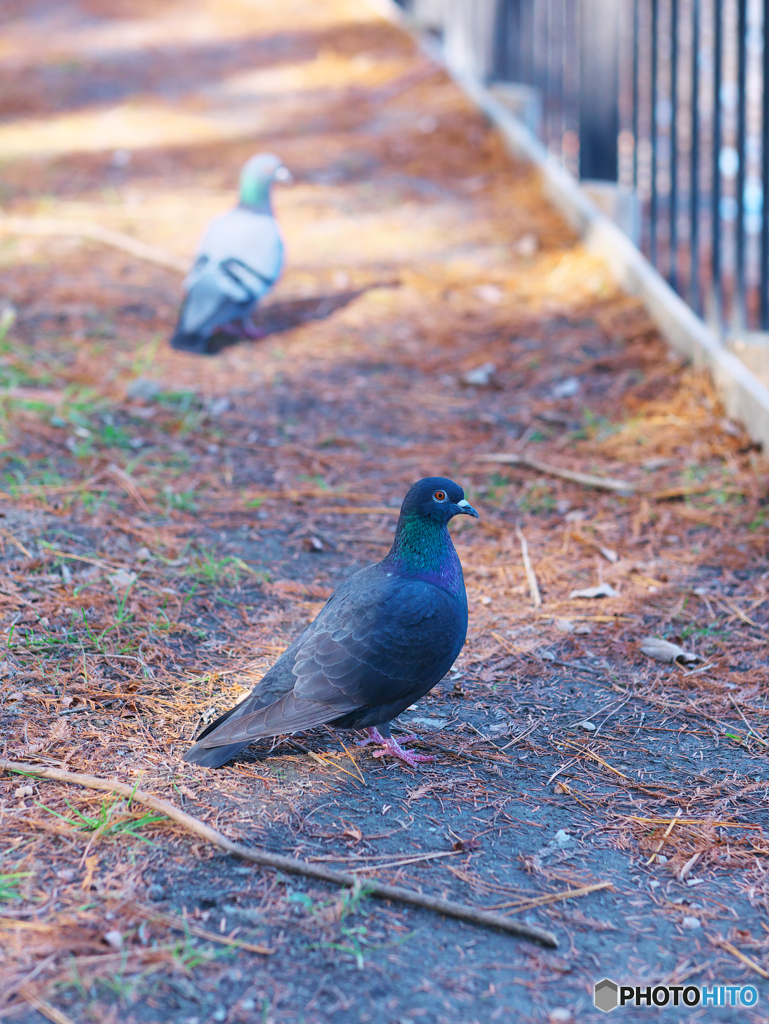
{"x":279,"y":317}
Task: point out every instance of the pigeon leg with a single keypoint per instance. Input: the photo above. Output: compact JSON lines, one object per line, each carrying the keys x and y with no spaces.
{"x":251,"y":330}
{"x":389,"y":745}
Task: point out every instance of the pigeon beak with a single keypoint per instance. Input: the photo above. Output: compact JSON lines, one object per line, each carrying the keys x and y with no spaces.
{"x":467,"y":509}
{"x":284,"y":176}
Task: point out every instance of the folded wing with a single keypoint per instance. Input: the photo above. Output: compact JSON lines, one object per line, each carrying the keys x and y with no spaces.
{"x":239,"y":260}
{"x":381,"y":642}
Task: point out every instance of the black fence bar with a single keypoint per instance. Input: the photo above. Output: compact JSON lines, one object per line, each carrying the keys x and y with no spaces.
{"x":654,"y":129}
{"x":635,"y":89}
{"x":694,"y":165}
{"x":764,"y":258}
{"x":738,"y":307}
{"x":598,"y":85}
{"x":673,"y":273}
{"x":715,"y":186}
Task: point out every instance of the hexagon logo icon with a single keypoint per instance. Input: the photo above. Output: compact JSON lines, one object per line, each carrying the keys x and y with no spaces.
{"x":606,"y":995}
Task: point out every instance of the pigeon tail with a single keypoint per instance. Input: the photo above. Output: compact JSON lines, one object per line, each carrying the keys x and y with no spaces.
{"x":215,"y":757}
{"x":212,"y":757}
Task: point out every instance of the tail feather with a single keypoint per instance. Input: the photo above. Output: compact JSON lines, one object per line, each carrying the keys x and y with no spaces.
{"x":213,"y":757}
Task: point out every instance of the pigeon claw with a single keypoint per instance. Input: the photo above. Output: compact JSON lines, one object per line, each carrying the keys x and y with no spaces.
{"x":390,"y":746}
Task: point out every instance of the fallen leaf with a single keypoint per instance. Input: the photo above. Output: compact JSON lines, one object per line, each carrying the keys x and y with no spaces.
{"x":61,"y":730}
{"x":122,"y":580}
{"x":664,"y":650}
{"x":471,"y":843}
{"x":602,"y":590}
{"x":90,"y":869}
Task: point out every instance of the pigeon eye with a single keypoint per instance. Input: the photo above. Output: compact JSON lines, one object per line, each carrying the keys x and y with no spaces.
{"x":440,"y":496}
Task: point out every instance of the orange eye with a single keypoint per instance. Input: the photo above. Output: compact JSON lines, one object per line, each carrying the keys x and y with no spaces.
{"x":440,"y":496}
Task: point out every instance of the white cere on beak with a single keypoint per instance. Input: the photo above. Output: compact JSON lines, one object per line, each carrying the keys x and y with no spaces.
{"x":283,"y":175}
{"x":463,"y":503}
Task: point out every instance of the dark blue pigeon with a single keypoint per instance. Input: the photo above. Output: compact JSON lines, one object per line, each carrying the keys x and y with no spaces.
{"x":237,"y":263}
{"x":382,"y":641}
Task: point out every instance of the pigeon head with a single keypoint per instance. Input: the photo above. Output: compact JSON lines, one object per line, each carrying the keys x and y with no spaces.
{"x":422,"y":546}
{"x":436,"y":499}
{"x":258,"y":175}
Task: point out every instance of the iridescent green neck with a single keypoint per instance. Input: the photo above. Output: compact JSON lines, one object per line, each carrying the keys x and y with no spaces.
{"x":423,"y":549}
{"x":255,"y":192}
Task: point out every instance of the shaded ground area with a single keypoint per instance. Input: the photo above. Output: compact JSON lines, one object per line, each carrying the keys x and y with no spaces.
{"x":169,"y":523}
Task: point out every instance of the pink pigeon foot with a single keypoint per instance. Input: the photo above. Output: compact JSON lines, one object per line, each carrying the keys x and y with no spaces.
{"x":389,"y":745}
{"x":252,"y":331}
{"x":243,"y":329}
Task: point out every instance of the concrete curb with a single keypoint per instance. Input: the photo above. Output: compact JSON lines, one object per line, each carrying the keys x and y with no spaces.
{"x":744,"y":396}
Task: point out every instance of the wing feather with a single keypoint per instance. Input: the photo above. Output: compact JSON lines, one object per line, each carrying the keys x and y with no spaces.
{"x":378,"y":641}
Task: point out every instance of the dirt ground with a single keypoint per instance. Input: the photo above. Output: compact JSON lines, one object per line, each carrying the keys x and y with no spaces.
{"x":170,"y":522}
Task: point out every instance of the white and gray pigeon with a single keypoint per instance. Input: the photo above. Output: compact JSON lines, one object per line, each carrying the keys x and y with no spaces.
{"x":238,"y":261}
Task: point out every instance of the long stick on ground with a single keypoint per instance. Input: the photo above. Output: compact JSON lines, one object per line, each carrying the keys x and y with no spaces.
{"x":528,"y":568}
{"x":605,"y":483}
{"x":291,"y":865}
{"x":95,"y":232}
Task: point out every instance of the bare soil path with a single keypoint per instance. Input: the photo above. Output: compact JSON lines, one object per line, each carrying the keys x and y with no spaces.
{"x":170,"y":522}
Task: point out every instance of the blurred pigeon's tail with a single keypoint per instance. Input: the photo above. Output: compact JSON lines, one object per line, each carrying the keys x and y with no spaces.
{"x":191,"y":341}
{"x":212,"y":757}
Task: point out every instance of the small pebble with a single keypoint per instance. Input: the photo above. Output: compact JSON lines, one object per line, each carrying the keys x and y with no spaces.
{"x":526,"y":245}
{"x":247,"y":1005}
{"x":489,"y":293}
{"x":114,"y":939}
{"x":587,"y":726}
{"x":156,"y":893}
{"x":566,"y":388}
{"x":691,"y":922}
{"x":219,"y":1014}
{"x":481,"y":376}
{"x":560,"y":1015}
{"x":218,"y":406}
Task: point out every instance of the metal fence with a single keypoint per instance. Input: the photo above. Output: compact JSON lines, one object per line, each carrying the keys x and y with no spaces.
{"x":666,"y":98}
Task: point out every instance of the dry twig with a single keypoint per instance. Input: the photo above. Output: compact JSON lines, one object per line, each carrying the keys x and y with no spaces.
{"x":95,"y":232}
{"x":291,"y":865}
{"x":605,"y":483}
{"x":741,"y":956}
{"x":536,"y":597}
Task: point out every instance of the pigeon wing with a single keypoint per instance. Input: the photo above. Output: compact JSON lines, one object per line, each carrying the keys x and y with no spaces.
{"x":239,"y":260}
{"x":249,"y":239}
{"x":385,"y":641}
